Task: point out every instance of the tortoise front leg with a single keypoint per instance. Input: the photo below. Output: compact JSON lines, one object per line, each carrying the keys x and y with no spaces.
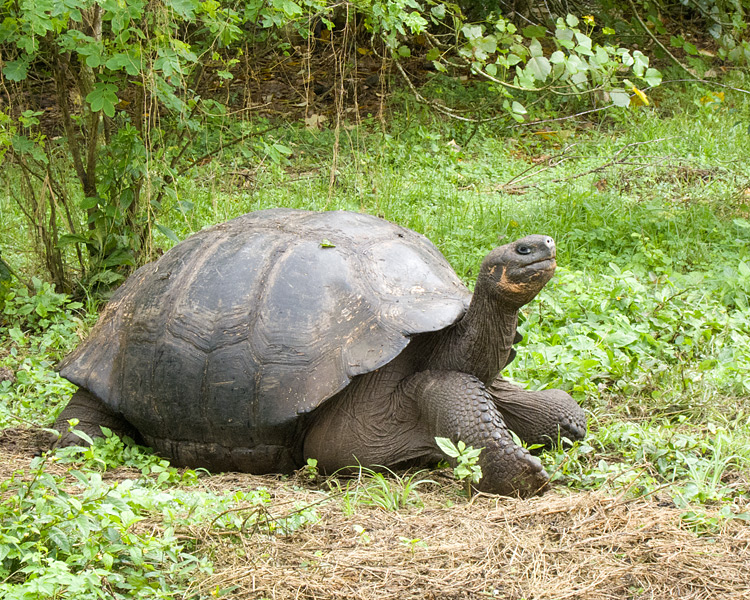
{"x":92,"y":415}
{"x":541,"y":417}
{"x":457,"y":406}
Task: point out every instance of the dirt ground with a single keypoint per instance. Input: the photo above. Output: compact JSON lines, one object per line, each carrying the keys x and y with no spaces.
{"x":565,"y":544}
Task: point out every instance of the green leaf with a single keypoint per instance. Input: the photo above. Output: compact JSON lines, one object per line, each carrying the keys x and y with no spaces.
{"x":58,"y":537}
{"x":540,"y":67}
{"x":124,"y":61}
{"x":90,"y":202}
{"x":472,"y":32}
{"x":103,"y":98}
{"x":438,"y":11}
{"x":15,"y":70}
{"x":640,"y":62}
{"x":290,"y":8}
{"x":484,"y":46}
{"x":572,"y":20}
{"x":82,"y":434}
{"x":535,"y":48}
{"x":185,"y":8}
{"x":557,"y":57}
{"x":620,"y":339}
{"x":447,"y":447}
{"x":93,"y":60}
{"x":282,"y":149}
{"x":119,"y":257}
{"x":534,"y":31}
{"x":432,"y":54}
{"x":619,"y":97}
{"x":518,"y":109}
{"x":168,"y":232}
{"x":564,"y":35}
{"x":584,"y":41}
{"x":652,"y":77}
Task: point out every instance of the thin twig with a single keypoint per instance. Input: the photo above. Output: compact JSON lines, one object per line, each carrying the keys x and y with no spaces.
{"x":662,"y":46}
{"x":612,"y":161}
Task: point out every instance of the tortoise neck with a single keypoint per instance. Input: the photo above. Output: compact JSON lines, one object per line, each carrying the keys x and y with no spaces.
{"x":481,"y":341}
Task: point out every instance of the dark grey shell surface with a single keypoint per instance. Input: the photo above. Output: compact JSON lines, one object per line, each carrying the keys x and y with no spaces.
{"x":241,"y":328}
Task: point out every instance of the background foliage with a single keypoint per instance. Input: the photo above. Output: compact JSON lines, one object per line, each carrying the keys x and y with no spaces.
{"x":106,"y":105}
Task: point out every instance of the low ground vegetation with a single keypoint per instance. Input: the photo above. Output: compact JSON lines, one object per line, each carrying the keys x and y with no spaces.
{"x":645,"y":323}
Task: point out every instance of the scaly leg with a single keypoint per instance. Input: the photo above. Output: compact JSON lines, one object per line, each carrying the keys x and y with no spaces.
{"x":457,"y":406}
{"x":540,"y":417}
{"x":92,"y":415}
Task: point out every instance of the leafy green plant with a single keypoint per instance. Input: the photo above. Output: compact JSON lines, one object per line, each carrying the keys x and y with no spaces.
{"x":35,"y":393}
{"x":705,"y":522}
{"x":40,"y":310}
{"x":58,"y":542}
{"x":467,"y":467}
{"x":563,"y":57}
{"x":664,"y":456}
{"x":38,"y":329}
{"x":251,"y":511}
{"x":110,"y":452}
{"x":412,"y":543}
{"x":721,"y":21}
{"x":310,"y":470}
{"x":126,"y":79}
{"x":89,"y":536}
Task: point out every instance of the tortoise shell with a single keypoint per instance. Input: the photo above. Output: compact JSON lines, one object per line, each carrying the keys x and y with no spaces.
{"x":237,"y":331}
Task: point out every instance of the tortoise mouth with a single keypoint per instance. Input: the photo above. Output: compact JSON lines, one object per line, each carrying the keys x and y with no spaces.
{"x":535,"y":274}
{"x":543,"y":264}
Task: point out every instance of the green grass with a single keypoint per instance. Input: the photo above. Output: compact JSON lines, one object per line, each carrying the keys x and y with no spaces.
{"x":647,"y":322}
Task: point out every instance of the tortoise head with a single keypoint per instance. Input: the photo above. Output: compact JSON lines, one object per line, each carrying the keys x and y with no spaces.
{"x":516,"y":272}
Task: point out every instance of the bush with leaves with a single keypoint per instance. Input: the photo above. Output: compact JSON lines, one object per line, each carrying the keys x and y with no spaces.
{"x":125,"y":79}
{"x":701,"y":29}
{"x":524,"y":64}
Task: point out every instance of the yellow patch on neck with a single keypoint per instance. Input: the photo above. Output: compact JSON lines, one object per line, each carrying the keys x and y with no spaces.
{"x":511,"y":287}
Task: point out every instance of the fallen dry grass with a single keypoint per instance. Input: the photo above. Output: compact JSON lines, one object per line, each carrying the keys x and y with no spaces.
{"x":564,"y":545}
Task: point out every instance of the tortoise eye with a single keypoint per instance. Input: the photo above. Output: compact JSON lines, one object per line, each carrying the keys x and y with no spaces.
{"x":523,"y":250}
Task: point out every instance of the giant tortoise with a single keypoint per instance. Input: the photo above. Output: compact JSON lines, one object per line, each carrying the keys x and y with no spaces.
{"x":285,"y":334}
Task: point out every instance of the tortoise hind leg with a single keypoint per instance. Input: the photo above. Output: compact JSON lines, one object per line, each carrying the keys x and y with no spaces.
{"x":541,"y":417}
{"x":92,"y":415}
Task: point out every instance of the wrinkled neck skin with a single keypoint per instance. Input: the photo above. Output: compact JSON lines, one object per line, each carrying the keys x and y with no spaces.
{"x":481,"y":341}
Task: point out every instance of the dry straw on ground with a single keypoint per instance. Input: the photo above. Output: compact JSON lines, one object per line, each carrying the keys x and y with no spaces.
{"x":562,"y":545}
